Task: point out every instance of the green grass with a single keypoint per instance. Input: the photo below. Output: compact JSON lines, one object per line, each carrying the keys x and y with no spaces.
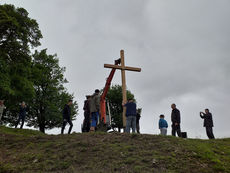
{"x":31,"y":151}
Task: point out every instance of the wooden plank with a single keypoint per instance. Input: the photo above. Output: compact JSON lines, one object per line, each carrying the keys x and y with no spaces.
{"x":122,"y":68}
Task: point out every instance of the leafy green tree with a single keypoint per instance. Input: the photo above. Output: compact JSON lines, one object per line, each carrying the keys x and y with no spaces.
{"x":50,"y":94}
{"x":18,"y":34}
{"x":36,"y":79}
{"x":114,"y":96}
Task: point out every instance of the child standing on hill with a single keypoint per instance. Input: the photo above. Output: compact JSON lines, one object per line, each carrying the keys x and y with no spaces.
{"x":163,"y":125}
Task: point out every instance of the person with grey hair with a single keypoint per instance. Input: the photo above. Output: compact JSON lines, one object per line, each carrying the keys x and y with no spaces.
{"x":175,"y":117}
{"x":2,"y":107}
{"x":22,"y":114}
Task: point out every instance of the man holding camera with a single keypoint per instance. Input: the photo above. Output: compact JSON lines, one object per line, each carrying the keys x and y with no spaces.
{"x":208,"y":123}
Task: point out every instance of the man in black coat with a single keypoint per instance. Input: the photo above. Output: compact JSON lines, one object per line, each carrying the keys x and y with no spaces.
{"x":22,"y":114}
{"x":208,"y":123}
{"x":138,"y":120}
{"x":86,"y":108}
{"x":175,"y":117}
{"x":66,"y":117}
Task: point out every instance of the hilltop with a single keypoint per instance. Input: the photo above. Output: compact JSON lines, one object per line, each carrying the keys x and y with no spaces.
{"x":32,"y":151}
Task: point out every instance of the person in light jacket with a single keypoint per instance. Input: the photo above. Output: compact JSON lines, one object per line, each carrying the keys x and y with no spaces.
{"x":95,"y":109}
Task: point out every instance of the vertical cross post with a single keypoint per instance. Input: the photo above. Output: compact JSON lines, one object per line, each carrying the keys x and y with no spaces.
{"x":124,"y":93}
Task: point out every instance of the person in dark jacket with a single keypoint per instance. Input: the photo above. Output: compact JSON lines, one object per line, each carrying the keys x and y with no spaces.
{"x":131,"y":112}
{"x":138,"y":120}
{"x":22,"y":114}
{"x":175,"y":118}
{"x":66,"y":113}
{"x":86,"y":108}
{"x":208,"y":123}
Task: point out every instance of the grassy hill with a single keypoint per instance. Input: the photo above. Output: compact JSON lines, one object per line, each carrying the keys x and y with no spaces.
{"x":31,"y":151}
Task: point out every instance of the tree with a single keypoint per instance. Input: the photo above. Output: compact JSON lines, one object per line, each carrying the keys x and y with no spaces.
{"x":18,"y":33}
{"x":50,"y":94}
{"x":36,"y":79}
{"x":114,"y":97}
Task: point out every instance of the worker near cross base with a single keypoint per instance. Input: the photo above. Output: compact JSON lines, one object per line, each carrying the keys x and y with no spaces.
{"x":175,"y":117}
{"x":86,"y":108}
{"x":95,"y":109}
{"x":66,"y":113}
{"x":208,"y":123}
{"x":131,"y":112}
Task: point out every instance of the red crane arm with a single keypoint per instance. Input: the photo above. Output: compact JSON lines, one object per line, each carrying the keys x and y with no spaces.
{"x":105,"y":91}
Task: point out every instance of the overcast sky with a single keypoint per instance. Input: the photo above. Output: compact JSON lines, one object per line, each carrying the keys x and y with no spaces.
{"x":183,"y":48}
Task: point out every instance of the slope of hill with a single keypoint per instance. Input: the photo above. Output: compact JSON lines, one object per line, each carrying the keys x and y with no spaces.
{"x":32,"y":151}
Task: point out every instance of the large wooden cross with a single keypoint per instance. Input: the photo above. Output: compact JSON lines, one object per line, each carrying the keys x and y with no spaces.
{"x":122,"y":67}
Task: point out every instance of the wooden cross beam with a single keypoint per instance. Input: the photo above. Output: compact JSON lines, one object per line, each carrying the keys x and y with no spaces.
{"x":123,"y":68}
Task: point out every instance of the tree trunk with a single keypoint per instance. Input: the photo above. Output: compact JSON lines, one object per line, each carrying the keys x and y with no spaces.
{"x":42,"y":128}
{"x":42,"y":122}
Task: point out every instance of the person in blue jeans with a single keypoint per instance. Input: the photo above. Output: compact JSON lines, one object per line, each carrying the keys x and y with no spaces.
{"x":163,"y":125}
{"x":95,"y":109}
{"x":131,"y":112}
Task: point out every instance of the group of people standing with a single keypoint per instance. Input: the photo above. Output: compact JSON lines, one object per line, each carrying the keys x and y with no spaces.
{"x":91,"y":111}
{"x":92,"y":117}
{"x":92,"y":114}
{"x":175,"y":118}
